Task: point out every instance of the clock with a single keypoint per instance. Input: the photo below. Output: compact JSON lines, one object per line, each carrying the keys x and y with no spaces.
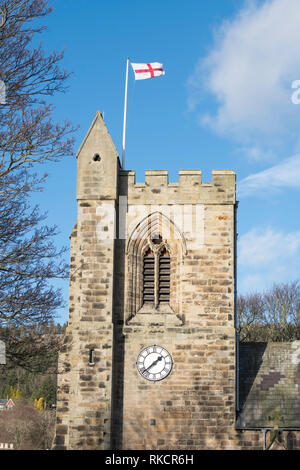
{"x":154,"y":363}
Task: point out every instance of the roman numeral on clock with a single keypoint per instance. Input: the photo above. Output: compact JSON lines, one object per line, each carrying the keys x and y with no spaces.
{"x":154,"y":363}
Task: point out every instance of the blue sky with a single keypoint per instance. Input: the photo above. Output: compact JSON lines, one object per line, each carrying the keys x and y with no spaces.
{"x":225,"y":102}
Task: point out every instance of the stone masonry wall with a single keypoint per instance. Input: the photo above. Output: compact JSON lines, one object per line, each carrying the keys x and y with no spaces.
{"x":103,"y":401}
{"x":194,"y":407}
{"x":84,"y":405}
{"x":85,"y":362}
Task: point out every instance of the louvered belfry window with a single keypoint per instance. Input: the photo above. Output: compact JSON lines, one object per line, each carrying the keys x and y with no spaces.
{"x":156,"y":277}
{"x":149,"y":276}
{"x":164,"y":277}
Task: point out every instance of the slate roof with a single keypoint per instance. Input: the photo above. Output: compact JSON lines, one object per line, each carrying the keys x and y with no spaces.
{"x":269,"y":385}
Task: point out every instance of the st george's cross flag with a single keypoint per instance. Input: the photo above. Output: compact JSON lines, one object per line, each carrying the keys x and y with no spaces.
{"x":142,"y":71}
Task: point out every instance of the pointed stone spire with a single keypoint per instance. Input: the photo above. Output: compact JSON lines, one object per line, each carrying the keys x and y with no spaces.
{"x":97,"y":163}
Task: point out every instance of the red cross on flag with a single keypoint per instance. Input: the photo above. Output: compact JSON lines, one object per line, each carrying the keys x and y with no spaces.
{"x":142,"y":71}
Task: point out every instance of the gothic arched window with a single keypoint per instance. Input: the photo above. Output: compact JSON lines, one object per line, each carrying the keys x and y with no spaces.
{"x":154,"y":263}
{"x":156,"y":274}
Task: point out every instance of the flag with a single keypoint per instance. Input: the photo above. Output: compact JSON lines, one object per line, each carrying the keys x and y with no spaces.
{"x":142,"y":71}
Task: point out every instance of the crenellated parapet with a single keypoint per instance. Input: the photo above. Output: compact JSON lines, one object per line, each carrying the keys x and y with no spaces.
{"x":152,"y":264}
{"x":188,"y":190}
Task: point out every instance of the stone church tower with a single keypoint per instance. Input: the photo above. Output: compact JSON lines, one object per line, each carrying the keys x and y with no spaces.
{"x":149,"y":357}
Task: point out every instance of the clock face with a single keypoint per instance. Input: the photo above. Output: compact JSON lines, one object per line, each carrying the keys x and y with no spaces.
{"x":154,"y":363}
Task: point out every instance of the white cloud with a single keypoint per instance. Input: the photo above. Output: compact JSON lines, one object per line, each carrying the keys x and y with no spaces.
{"x":284,"y":175}
{"x":258,"y":282}
{"x":263,"y":246}
{"x":265,"y":256}
{"x":250,"y":72}
{"x":256,"y":154}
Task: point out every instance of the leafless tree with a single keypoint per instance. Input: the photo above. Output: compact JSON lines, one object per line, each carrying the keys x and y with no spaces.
{"x":282,"y":303}
{"x":27,"y":132}
{"x":250,"y":309}
{"x":27,"y":427}
{"x":17,"y":426}
{"x":46,"y":425}
{"x":28,"y":262}
{"x":273,"y":315}
{"x":28,"y":136}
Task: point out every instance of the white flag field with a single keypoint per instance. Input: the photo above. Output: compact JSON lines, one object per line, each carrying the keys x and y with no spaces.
{"x":143,"y":71}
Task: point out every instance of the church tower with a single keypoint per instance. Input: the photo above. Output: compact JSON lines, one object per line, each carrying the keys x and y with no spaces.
{"x":149,"y":356}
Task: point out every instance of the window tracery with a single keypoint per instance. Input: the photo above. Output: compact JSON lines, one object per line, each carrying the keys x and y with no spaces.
{"x":154,"y":263}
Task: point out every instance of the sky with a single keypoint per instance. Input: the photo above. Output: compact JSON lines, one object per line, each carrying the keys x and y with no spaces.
{"x":229,"y":100}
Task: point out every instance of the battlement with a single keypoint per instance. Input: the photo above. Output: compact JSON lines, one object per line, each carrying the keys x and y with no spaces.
{"x":188,"y":189}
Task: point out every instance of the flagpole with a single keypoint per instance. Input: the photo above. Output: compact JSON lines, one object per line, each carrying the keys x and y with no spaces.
{"x":125,"y":112}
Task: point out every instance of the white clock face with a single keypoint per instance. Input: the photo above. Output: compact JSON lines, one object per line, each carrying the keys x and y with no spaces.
{"x":154,"y":363}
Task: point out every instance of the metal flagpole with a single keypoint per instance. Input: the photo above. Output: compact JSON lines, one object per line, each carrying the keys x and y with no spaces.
{"x":125,"y":111}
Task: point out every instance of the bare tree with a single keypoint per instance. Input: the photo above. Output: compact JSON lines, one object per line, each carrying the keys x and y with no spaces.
{"x":250,"y":309}
{"x":282,"y":304}
{"x":273,"y":315}
{"x":28,"y":136}
{"x":27,"y":427}
{"x":27,"y":132}
{"x":28,"y":261}
{"x":46,"y":426}
{"x":18,"y":426}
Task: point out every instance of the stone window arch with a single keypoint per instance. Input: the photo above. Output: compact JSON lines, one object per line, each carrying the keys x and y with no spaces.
{"x":155,"y":254}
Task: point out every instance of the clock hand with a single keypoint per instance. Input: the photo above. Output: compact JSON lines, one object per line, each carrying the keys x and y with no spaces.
{"x":154,"y":363}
